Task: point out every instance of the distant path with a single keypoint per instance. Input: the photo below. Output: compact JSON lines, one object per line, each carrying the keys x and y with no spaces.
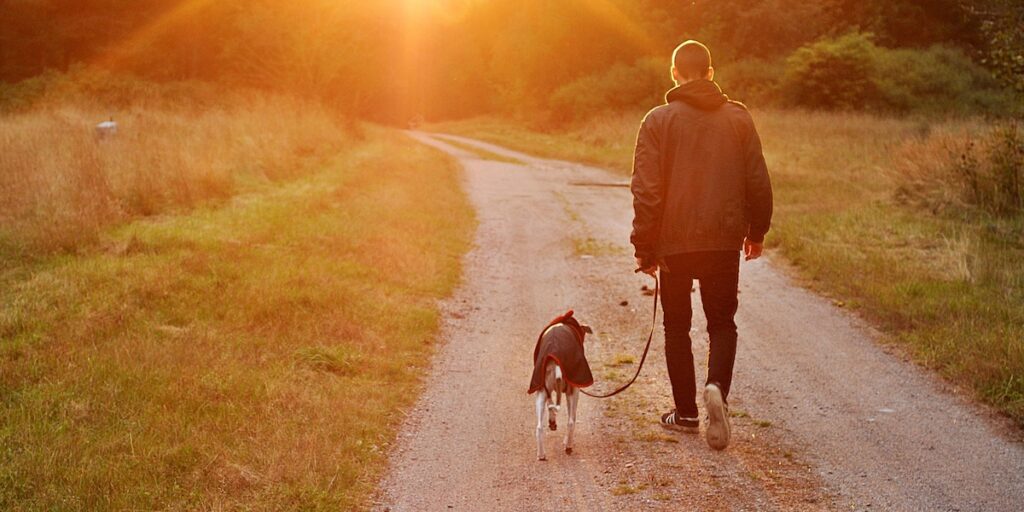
{"x":834,"y":422}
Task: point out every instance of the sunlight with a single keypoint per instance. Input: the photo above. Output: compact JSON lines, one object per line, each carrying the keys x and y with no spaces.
{"x":240,"y":238}
{"x":620,"y":22}
{"x":147,"y":34}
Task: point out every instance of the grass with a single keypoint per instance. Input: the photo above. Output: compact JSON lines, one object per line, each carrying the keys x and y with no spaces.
{"x":583,"y":244}
{"x":590,"y":246}
{"x":947,"y":286}
{"x":251,"y":353}
{"x":621,"y":359}
{"x":61,"y":185}
{"x":625,"y":489}
{"x":650,"y":437}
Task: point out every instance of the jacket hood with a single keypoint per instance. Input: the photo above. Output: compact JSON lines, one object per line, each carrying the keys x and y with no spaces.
{"x":703,"y":94}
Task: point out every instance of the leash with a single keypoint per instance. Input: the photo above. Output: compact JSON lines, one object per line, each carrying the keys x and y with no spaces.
{"x":647,"y":347}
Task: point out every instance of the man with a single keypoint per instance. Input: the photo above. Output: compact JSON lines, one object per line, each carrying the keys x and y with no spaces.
{"x":701,"y":193}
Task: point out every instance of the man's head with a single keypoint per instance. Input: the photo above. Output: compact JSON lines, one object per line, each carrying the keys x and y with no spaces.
{"x":691,"y":61}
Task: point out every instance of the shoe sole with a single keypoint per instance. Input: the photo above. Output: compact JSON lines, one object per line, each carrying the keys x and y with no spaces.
{"x":718,"y":422}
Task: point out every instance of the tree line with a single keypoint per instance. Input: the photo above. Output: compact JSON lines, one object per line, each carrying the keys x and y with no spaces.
{"x":393,"y":59}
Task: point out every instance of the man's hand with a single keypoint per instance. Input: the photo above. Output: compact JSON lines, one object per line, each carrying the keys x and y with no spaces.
{"x":649,"y":270}
{"x":752,"y":250}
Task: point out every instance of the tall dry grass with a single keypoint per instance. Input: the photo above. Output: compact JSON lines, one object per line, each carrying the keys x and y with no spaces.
{"x":61,"y":184}
{"x":969,"y":167}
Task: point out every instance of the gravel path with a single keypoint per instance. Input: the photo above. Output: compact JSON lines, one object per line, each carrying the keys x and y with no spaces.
{"x":824,"y":416}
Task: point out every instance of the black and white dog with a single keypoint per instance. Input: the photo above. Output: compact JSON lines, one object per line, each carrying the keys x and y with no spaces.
{"x":559,"y":367}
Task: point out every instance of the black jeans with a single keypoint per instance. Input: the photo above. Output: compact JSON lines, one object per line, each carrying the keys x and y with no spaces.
{"x":718,"y":273}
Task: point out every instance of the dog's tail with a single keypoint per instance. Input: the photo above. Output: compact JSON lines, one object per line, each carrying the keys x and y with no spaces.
{"x":558,"y":385}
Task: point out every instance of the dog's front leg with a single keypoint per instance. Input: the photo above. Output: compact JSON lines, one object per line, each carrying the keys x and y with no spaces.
{"x":541,"y":407}
{"x":572,"y":399}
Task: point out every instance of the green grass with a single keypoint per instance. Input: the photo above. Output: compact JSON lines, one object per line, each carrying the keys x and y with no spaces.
{"x":949,"y":288}
{"x":591,"y":246}
{"x":647,"y":436}
{"x":253,"y":355}
{"x":621,"y":359}
{"x":625,"y":489}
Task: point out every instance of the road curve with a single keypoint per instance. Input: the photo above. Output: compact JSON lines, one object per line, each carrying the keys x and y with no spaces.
{"x":830,"y":419}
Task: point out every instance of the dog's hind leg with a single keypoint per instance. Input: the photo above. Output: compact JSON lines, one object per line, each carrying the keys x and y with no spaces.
{"x":559,"y":385}
{"x":552,"y":381}
{"x":542,"y":398}
{"x":572,"y":400}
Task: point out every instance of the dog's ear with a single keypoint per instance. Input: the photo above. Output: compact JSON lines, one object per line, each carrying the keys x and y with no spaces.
{"x":586,"y":328}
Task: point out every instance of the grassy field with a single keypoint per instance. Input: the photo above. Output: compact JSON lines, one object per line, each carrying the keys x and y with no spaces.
{"x":61,"y":185}
{"x":947,"y":285}
{"x":251,"y":350}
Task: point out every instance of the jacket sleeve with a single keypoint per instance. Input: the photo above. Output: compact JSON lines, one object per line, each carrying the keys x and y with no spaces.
{"x":647,"y":186}
{"x":758,"y":189}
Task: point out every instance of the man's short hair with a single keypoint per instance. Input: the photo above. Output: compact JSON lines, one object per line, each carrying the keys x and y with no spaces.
{"x":692,"y":60}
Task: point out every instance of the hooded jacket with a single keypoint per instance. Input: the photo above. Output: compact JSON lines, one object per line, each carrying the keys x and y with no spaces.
{"x":700,"y":182}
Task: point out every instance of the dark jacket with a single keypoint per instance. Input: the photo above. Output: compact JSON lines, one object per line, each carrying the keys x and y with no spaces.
{"x":562,"y":342}
{"x":700,"y":182}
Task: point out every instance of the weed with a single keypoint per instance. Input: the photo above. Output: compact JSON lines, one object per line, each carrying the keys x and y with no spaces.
{"x":590,"y":246}
{"x":621,"y":359}
{"x":652,"y":437}
{"x":624,"y":489}
{"x":964,"y":169}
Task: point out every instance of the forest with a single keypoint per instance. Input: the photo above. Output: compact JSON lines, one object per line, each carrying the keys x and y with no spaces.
{"x":392,"y":60}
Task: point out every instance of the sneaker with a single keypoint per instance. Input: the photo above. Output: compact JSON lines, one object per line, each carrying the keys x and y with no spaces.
{"x":674,"y":421}
{"x":718,"y":417}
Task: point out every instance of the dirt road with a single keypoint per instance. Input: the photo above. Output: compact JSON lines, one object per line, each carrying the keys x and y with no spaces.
{"x":824,"y":417}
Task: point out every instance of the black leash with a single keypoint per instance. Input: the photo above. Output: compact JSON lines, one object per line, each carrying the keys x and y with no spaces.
{"x":650,"y":336}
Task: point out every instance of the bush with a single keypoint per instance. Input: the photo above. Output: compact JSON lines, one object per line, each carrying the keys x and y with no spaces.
{"x":960,"y":170}
{"x":111,"y":90}
{"x":620,"y":87}
{"x":852,"y":72}
{"x":752,"y":81}
{"x":937,"y":79}
{"x":832,"y":73}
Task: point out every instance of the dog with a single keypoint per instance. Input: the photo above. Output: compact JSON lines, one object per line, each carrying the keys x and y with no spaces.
{"x":559,"y":368}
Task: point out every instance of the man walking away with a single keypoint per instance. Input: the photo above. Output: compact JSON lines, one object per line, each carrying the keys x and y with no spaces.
{"x":701,"y":193}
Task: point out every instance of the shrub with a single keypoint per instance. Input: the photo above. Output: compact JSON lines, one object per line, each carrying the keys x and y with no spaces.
{"x":937,"y":79}
{"x":962,"y":170}
{"x":853,"y":72}
{"x":752,"y":81}
{"x":620,"y":87}
{"x":102,"y":88}
{"x":832,"y":73}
